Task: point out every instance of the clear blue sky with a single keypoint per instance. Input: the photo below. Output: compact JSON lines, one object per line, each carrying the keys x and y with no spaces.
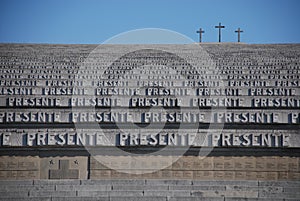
{"x":94,"y":21}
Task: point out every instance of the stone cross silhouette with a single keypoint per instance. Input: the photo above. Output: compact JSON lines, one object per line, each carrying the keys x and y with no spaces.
{"x":64,"y":172}
{"x":200,"y":32}
{"x":220,"y":27}
{"x":239,"y":31}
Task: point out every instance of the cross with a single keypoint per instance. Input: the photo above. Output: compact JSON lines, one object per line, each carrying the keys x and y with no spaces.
{"x":220,"y":27}
{"x":200,"y":32}
{"x":63,"y":171}
{"x":239,"y":31}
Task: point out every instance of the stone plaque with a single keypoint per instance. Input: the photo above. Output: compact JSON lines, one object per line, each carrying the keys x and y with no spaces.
{"x":64,"y":168}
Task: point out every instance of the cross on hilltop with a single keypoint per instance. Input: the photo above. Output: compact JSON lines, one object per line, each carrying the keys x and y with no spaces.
{"x":200,"y":34}
{"x":239,"y":31}
{"x":220,"y":27}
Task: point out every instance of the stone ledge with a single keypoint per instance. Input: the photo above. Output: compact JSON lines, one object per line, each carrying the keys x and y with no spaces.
{"x":110,"y":151}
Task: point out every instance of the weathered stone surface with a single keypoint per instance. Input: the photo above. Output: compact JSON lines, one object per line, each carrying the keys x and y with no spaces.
{"x":192,"y":171}
{"x":140,"y":187}
{"x":17,"y":167}
{"x":49,"y":99}
{"x":64,"y":167}
{"x":83,"y":187}
{"x":56,"y":182}
{"x":248,"y":194}
{"x":173,"y":193}
{"x":195,"y":199}
{"x":14,"y":193}
{"x":224,"y":183}
{"x":168,"y":182}
{"x":198,"y":187}
{"x":8,"y":188}
{"x":52,"y":193}
{"x":82,"y":199}
{"x":160,"y":189}
{"x":252,"y":199}
{"x":26,"y":199}
{"x":93,"y":193}
{"x":145,"y":198}
{"x":16,"y":183}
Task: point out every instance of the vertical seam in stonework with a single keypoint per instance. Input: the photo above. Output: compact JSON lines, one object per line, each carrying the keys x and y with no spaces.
{"x":258,"y":187}
{"x":88,"y":167}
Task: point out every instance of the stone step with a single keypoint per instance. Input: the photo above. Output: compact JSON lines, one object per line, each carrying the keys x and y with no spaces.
{"x":149,"y":189}
{"x":194,"y":199}
{"x":87,"y":187}
{"x":114,"y":182}
{"x":81,"y":199}
{"x":139,"y":187}
{"x":25,"y":199}
{"x":253,"y":199}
